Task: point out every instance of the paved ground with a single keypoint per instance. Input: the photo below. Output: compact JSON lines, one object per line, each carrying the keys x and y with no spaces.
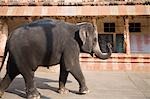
{"x":103,"y":85}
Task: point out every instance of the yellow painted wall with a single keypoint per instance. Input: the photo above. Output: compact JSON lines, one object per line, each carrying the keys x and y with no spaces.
{"x":119,"y":22}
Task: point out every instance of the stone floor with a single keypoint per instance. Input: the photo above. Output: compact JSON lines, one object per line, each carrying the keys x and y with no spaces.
{"x":102,"y":85}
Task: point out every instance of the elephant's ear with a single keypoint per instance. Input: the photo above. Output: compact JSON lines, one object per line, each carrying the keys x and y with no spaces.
{"x":82,"y":31}
{"x":83,"y":35}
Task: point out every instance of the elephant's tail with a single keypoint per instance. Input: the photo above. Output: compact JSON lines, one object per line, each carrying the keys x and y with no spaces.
{"x":4,"y":57}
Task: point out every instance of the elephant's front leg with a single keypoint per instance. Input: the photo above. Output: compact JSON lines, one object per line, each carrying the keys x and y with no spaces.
{"x":71,"y":61}
{"x":62,"y":78}
{"x":78,"y":75}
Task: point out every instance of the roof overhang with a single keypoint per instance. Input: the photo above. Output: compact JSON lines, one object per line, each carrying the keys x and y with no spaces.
{"x":74,"y":10}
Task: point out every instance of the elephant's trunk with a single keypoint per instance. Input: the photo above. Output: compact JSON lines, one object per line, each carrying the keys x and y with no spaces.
{"x":100,"y":54}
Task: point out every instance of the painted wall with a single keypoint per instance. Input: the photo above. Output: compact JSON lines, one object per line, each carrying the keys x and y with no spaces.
{"x":140,"y":43}
{"x":119,"y":23}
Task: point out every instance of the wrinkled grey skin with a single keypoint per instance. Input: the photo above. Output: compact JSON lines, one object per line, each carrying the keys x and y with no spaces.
{"x":49,"y":42}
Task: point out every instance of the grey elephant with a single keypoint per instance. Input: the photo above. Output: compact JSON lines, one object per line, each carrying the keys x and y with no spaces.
{"x":49,"y":42}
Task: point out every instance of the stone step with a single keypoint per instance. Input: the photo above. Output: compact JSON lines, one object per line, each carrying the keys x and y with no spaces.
{"x":137,"y":67}
{"x":137,"y":63}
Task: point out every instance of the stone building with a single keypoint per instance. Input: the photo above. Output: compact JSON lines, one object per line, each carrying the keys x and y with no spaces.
{"x":123,"y":23}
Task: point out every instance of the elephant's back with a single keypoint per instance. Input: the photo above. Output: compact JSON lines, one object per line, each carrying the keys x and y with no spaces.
{"x":47,"y":21}
{"x":40,"y":41}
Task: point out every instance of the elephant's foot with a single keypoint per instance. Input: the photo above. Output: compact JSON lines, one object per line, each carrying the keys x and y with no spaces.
{"x":63,"y":91}
{"x":1,"y":94}
{"x":84,"y":90}
{"x":33,"y":94}
{"x":33,"y":97}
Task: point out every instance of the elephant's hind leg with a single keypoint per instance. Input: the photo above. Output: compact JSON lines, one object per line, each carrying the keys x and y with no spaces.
{"x":28,"y":75}
{"x":11,"y":73}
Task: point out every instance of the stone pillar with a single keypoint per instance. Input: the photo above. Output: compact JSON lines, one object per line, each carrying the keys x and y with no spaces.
{"x":3,"y":36}
{"x":95,"y":23}
{"x":126,"y":35}
{"x":6,"y":1}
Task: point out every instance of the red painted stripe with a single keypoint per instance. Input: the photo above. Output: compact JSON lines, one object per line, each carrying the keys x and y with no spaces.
{"x":75,"y":10}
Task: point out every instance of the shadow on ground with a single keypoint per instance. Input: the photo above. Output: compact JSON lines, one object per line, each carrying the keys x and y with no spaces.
{"x":18,"y":86}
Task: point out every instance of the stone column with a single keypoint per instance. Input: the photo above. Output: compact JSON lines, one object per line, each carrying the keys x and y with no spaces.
{"x":126,"y":35}
{"x":3,"y":35}
{"x":6,"y":1}
{"x":95,"y":23}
